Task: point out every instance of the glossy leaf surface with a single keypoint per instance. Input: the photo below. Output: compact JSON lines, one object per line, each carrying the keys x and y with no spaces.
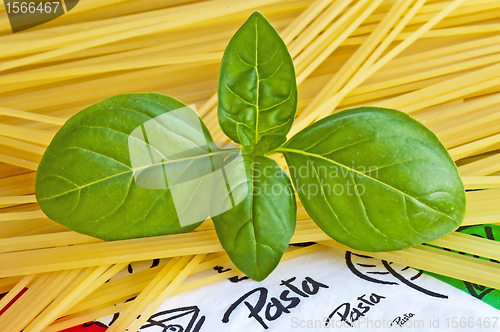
{"x":256,"y":233}
{"x":375,"y":179}
{"x":257,"y":87}
{"x":88,"y":181}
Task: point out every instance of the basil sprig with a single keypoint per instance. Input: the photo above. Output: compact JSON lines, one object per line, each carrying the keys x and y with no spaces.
{"x":138,"y":165}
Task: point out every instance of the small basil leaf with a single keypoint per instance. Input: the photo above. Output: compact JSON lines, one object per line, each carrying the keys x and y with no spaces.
{"x":257,"y":87}
{"x":375,"y":179}
{"x":111,"y":170}
{"x":257,"y":231}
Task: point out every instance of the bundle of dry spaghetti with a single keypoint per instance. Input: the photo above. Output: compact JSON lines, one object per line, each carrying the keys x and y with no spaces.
{"x":438,"y":60}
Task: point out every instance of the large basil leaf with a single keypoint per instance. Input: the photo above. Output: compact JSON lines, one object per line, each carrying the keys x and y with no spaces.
{"x":256,"y":233}
{"x":257,"y":87}
{"x":88,"y":181}
{"x":375,"y":179}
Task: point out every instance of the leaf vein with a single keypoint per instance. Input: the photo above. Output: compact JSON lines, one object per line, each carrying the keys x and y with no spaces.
{"x":284,"y":150}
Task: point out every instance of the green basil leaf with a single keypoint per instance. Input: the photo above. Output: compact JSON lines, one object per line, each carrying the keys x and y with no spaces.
{"x":375,"y":179}
{"x":257,"y":87}
{"x":100,"y":176}
{"x":256,"y":232}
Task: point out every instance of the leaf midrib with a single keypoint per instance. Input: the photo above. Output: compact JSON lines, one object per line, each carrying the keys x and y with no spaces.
{"x":304,"y":153}
{"x":131,"y":170}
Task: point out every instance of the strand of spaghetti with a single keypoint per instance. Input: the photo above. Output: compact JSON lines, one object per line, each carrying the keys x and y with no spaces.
{"x":31,"y":227}
{"x":422,"y":75}
{"x":18,"y":288}
{"x":22,"y":146}
{"x":22,"y":215}
{"x":31,"y":116}
{"x":18,"y":133}
{"x":83,"y":289}
{"x":465,"y":91}
{"x":113,"y":248}
{"x":383,"y":95}
{"x":334,"y":45}
{"x":103,"y":87}
{"x":467,"y":106}
{"x":7,"y":284}
{"x":318,"y":26}
{"x":82,"y":318}
{"x":16,"y":153}
{"x":193,"y":45}
{"x":475,"y":14}
{"x":126,"y":65}
{"x":440,"y":127}
{"x":135,"y":22}
{"x":128,"y":250}
{"x":436,"y":260}
{"x":470,"y":149}
{"x":166,"y":275}
{"x":124,"y":288}
{"x":482,"y":195}
{"x":166,"y":293}
{"x":14,"y":319}
{"x":43,"y":299}
{"x":136,"y":32}
{"x":17,"y":184}
{"x":440,"y":55}
{"x":24,"y":299}
{"x":481,"y":206}
{"x":66,"y":238}
{"x":50,"y":75}
{"x":485,"y":28}
{"x":486,"y":209}
{"x":18,"y":162}
{"x":207,"y":107}
{"x":339,"y":30}
{"x":33,"y":263}
{"x":44,"y":241}
{"x":471,"y":136}
{"x":484,"y":166}
{"x":483,"y":14}
{"x":467,"y":8}
{"x":481,"y":182}
{"x":426,"y":96}
{"x":304,"y":19}
{"x":369,"y":62}
{"x":180,"y":10}
{"x":330,"y":105}
{"x":477,"y":122}
{"x":157,"y":39}
{"x":85,"y":273}
{"x":355,"y":61}
{"x":493,"y":219}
